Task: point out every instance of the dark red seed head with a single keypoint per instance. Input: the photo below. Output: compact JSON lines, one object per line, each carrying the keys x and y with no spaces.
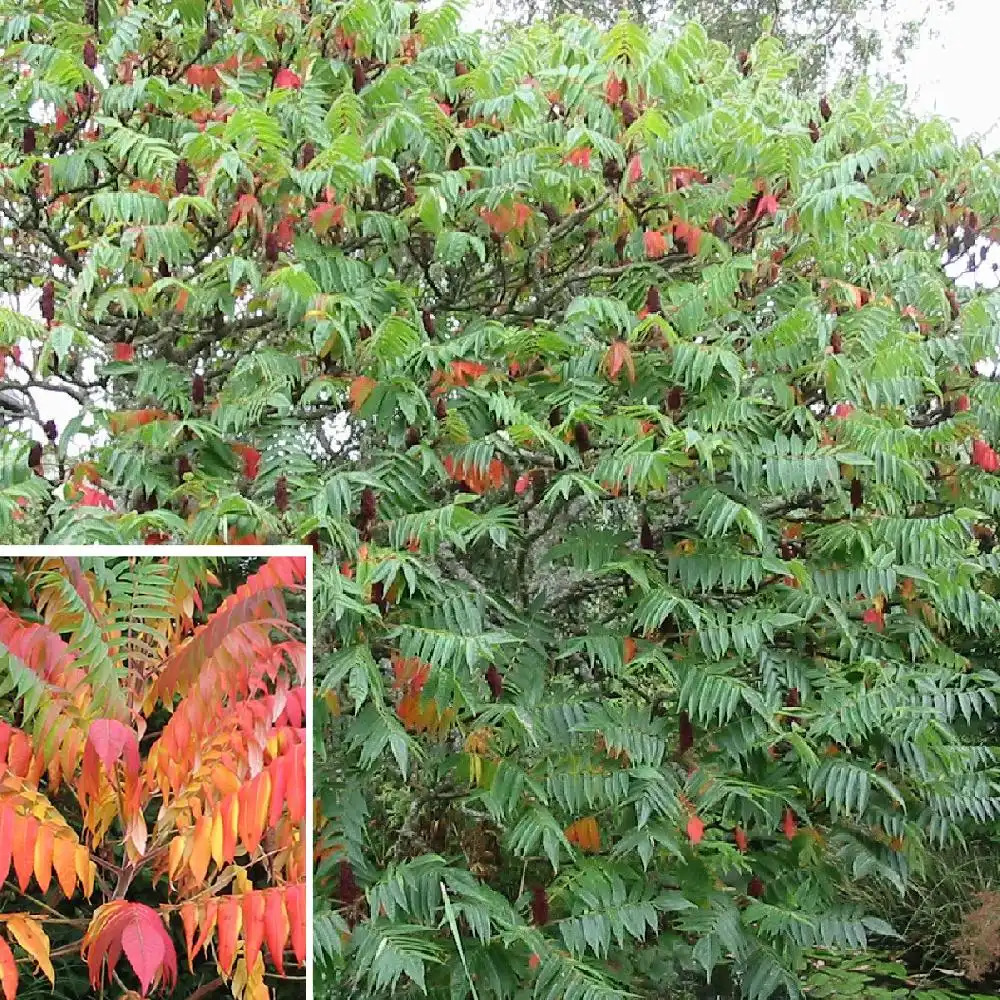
{"x":47,"y":303}
{"x":198,"y":390}
{"x":581,"y":435}
{"x":164,"y":268}
{"x":51,"y":431}
{"x":857,"y":494}
{"x":281,"y":494}
{"x":441,"y":409}
{"x":307,"y":155}
{"x":675,"y":398}
{"x":837,"y":343}
{"x":456,"y":160}
{"x":182,"y":176}
{"x":792,"y":699}
{"x":824,"y":109}
{"x":369,"y":504}
{"x":653,"y":304}
{"x":349,"y":891}
{"x":495,"y":680}
{"x":539,"y":906}
{"x":312,"y":540}
{"x":555,"y":417}
{"x":183,"y":467}
{"x":412,"y":436}
{"x":813,"y":131}
{"x":427,"y":318}
{"x":271,"y":247}
{"x":28,"y":141}
{"x":646,"y":539}
{"x":358,"y":78}
{"x":685,"y":733}
{"x":364,"y":332}
{"x":89,"y":54}
{"x":35,"y":456}
{"x":755,"y":888}
{"x":743,"y":61}
{"x":629,"y":114}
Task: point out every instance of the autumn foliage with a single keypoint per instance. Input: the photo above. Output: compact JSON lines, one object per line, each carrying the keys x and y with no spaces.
{"x":152,"y":775}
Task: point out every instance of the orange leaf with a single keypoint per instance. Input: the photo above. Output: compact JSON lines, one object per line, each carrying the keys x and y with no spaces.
{"x":630,"y":649}
{"x":655,"y":243}
{"x":295,"y":904}
{"x":23,"y":849}
{"x":619,"y":356}
{"x":129,"y":420}
{"x":276,"y":927}
{"x":463,"y":372}
{"x":739,"y":834}
{"x":695,"y":829}
{"x":63,"y":861}
{"x":253,"y":926}
{"x":585,"y":834}
{"x":229,"y":919}
{"x":201,"y":849}
{"x":8,"y":971}
{"x":42,"y":862}
{"x":29,"y":935}
{"x":360,"y":390}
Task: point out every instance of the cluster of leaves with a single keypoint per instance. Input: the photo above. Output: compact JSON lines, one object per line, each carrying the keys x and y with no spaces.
{"x":152,"y":776}
{"x":642,"y":438}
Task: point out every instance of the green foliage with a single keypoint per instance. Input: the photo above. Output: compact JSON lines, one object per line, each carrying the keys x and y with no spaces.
{"x":639,"y":432}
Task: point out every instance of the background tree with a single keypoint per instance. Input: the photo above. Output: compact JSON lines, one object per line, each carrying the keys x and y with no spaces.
{"x":832,"y":38}
{"x":640,"y":433}
{"x":152,"y":779}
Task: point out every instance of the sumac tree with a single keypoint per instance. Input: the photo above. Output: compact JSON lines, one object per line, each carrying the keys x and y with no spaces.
{"x":152,"y":779}
{"x":644,"y":442}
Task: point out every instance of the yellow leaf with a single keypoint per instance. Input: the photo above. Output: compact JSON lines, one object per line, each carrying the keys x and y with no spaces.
{"x":29,"y":935}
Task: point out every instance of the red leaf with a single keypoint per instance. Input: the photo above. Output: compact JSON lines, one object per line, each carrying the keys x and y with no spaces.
{"x":579,"y":157}
{"x":843,"y":410}
{"x":138,"y":931}
{"x":614,"y":90}
{"x":655,"y":243}
{"x":788,"y":824}
{"x":634,"y":170}
{"x":251,"y":459}
{"x":522,"y":484}
{"x":288,"y":79}
{"x":123,"y":352}
{"x":111,"y":741}
{"x":695,"y":830}
{"x":768,"y":205}
{"x":325,"y":216}
{"x":630,"y":649}
{"x":875,"y":618}
{"x":739,"y":835}
{"x":962,"y":404}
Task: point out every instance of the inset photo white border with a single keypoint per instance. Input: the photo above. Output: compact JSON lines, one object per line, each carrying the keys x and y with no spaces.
{"x":223,"y":552}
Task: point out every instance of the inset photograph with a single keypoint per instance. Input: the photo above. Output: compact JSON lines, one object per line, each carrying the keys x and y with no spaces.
{"x":153,"y":775}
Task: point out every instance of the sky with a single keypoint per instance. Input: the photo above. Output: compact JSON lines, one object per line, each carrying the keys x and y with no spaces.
{"x":954,"y":74}
{"x":950,"y":73}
